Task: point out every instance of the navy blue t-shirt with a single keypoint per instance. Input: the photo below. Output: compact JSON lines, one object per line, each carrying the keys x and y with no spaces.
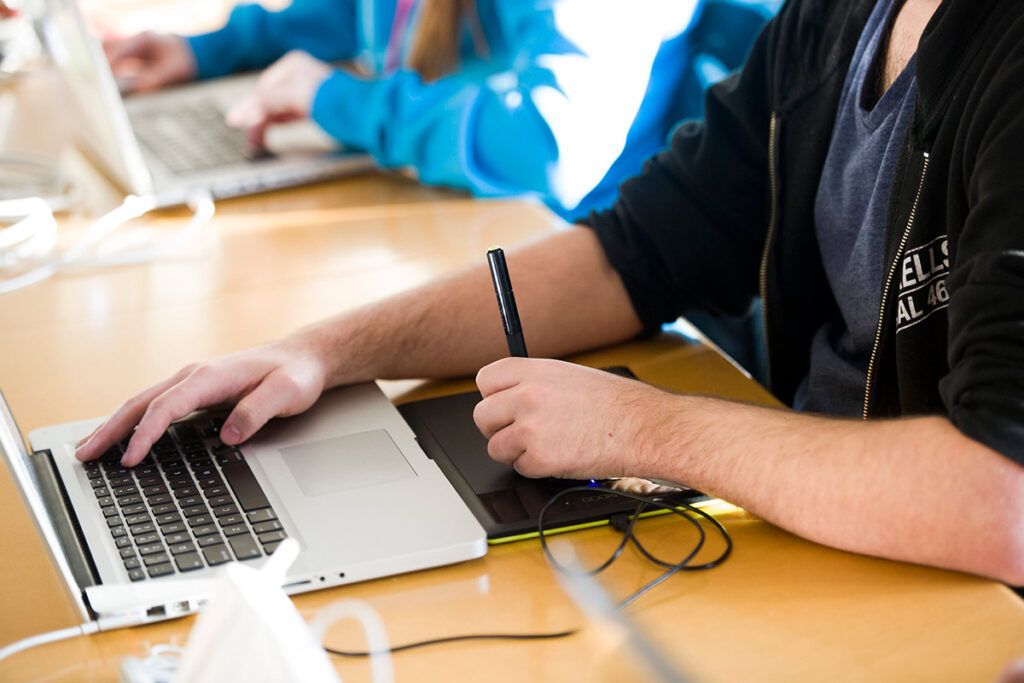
{"x":850,"y":214}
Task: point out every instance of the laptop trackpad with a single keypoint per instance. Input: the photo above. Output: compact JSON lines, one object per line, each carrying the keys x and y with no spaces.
{"x":346,"y":462}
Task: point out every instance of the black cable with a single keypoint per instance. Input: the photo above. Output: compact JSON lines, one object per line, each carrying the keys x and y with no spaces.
{"x":452,"y":639}
{"x":619,"y":523}
{"x":680,"y":509}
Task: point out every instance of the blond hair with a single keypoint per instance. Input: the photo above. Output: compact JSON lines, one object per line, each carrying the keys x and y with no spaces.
{"x":435,"y":49}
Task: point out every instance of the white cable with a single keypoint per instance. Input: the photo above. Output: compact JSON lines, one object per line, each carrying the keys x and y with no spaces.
{"x":51,"y":637}
{"x":376,"y":635}
{"x":40,"y":225}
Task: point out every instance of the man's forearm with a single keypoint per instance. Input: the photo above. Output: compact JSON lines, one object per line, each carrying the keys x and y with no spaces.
{"x":912,"y":489}
{"x":569,"y":299}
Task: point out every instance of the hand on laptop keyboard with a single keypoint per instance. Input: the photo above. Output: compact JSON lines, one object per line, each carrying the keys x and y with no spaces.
{"x":275,"y":380}
{"x":148,"y":61}
{"x":284,"y":92}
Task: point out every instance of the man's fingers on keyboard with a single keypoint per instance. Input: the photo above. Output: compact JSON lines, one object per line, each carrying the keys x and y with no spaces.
{"x":120,"y":424}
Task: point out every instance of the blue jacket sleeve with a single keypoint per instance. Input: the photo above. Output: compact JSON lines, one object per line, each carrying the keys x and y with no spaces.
{"x":551,"y":123}
{"x":254,"y":37}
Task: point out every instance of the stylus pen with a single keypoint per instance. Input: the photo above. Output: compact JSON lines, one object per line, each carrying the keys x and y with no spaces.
{"x":506,"y":302}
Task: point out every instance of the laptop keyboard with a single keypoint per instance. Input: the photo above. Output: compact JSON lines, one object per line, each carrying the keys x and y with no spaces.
{"x":191,"y":503}
{"x":192,"y":137}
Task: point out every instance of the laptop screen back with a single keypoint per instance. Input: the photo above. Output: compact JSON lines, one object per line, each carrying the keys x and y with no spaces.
{"x":102,"y":126}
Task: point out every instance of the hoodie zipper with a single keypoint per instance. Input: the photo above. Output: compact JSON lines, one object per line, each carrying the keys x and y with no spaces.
{"x":763,"y":273}
{"x":888,"y":285}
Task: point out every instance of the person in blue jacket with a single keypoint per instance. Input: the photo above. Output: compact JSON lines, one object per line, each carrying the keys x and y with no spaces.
{"x":559,"y":99}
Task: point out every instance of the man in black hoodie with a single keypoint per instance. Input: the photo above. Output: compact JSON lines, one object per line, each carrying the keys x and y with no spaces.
{"x":863,"y":175}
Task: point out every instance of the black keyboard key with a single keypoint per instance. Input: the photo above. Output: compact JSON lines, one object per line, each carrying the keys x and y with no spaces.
{"x":204,"y":530}
{"x":150,"y":481}
{"x":216,"y":554}
{"x":207,"y":483}
{"x":153,"y":490}
{"x":221,"y":500}
{"x":184,"y":431}
{"x":166,"y":513}
{"x":105,"y":501}
{"x":214,"y":491}
{"x":179,"y":537}
{"x":125,"y":490}
{"x":185,"y":492}
{"x":195,"y":510}
{"x":176,"y":472}
{"x":113,"y":522}
{"x":269,"y":548}
{"x":141,"y":471}
{"x":235,"y":530}
{"x":189,"y":501}
{"x":136,"y":509}
{"x":101,"y":492}
{"x":264,"y":527}
{"x":140,"y":529}
{"x":158,"y":558}
{"x":261,"y":515}
{"x":136,"y":575}
{"x":151,"y":549}
{"x":184,"y":547}
{"x":127,"y":553}
{"x":122,"y":542}
{"x":161,"y":499}
{"x":188,"y":562}
{"x":120,"y":481}
{"x":118,"y":531}
{"x":125,"y":501}
{"x":230,"y":458}
{"x":180,"y":483}
{"x":146,"y":539}
{"x":200,"y":520}
{"x":244,"y":547}
{"x":160,"y":570}
{"x":109,"y":511}
{"x":132,"y":563}
{"x":224,"y":510}
{"x":172,"y":528}
{"x":228,"y":520}
{"x":96,"y":482}
{"x":272,"y":536}
{"x":203,"y":472}
{"x":207,"y":541}
{"x":132,"y":520}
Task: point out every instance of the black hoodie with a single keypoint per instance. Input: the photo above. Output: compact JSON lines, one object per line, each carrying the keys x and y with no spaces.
{"x":727,"y":213}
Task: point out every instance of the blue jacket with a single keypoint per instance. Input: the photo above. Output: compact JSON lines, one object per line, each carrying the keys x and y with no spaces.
{"x":572,"y":97}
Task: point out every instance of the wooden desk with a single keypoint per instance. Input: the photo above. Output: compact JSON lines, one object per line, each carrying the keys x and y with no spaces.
{"x":780,"y":609}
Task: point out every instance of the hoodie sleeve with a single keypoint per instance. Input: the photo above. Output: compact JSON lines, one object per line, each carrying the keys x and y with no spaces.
{"x":254,"y":37}
{"x":550,"y":121}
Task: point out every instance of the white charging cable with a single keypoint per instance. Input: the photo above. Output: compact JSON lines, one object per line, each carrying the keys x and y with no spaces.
{"x":31,"y":239}
{"x":51,"y":637}
{"x":376,"y":635}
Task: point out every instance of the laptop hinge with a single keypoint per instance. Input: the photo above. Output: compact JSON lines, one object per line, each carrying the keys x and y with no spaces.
{"x":65,"y":521}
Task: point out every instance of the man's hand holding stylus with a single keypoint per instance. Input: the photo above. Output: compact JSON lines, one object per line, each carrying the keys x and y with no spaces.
{"x":550,"y":418}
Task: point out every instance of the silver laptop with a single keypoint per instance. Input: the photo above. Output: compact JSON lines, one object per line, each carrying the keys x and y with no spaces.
{"x":173,"y":144}
{"x":346,"y":480}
